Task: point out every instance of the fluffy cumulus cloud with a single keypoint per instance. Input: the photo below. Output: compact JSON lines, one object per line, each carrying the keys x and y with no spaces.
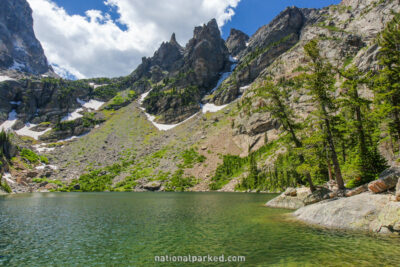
{"x":94,"y":45}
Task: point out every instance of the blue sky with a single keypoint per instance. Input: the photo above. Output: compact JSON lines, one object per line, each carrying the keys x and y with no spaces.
{"x":108,"y":38}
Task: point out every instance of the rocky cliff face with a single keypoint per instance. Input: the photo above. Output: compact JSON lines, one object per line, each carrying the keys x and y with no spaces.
{"x":263,"y":48}
{"x":19,"y":48}
{"x":236,"y":42}
{"x":180,"y":88}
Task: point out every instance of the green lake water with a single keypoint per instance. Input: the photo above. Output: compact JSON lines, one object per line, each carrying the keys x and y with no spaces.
{"x":130,"y":229}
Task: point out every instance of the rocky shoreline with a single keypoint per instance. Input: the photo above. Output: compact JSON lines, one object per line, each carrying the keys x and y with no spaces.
{"x":374,"y":207}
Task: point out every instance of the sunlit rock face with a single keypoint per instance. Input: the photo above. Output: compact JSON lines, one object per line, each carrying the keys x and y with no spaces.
{"x":19,"y":48}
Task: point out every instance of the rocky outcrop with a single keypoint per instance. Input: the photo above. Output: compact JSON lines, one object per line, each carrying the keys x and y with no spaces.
{"x":264,"y":47}
{"x":167,"y":59}
{"x":152,"y":186}
{"x":292,"y":198}
{"x":380,"y":214}
{"x":46,"y":100}
{"x":357,"y":191}
{"x":387,"y":180}
{"x":317,"y":196}
{"x":19,"y":48}
{"x":205,"y":57}
{"x":236,"y":42}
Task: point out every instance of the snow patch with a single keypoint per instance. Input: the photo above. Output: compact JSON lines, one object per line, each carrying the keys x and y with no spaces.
{"x":73,"y":116}
{"x":26,"y":131}
{"x":73,"y":138}
{"x":96,"y":85}
{"x":15,"y":103}
{"x":42,"y":167}
{"x":165,"y":127}
{"x":7,"y":176}
{"x":43,"y":148}
{"x":9,"y":123}
{"x":143,"y":96}
{"x":5,"y":78}
{"x":212,"y":108}
{"x":225,"y":75}
{"x":244,"y":88}
{"x":92,"y":104}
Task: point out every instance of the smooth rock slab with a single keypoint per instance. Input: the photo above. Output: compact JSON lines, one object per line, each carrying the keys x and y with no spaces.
{"x":367,"y":211}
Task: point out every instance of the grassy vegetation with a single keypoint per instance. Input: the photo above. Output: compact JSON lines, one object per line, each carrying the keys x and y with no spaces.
{"x":97,"y":180}
{"x":4,"y":185}
{"x":32,"y":157}
{"x":179,"y":182}
{"x":235,"y":166}
{"x":121,"y":99}
{"x":42,"y":180}
{"x":191,"y":157}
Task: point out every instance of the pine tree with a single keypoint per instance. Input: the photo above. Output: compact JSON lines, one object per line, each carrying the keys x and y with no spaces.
{"x":277,"y":96}
{"x":387,"y":83}
{"x":320,"y":82}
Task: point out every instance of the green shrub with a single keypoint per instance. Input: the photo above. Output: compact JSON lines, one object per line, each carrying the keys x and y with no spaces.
{"x":42,"y":180}
{"x":180,"y":183}
{"x":191,"y":157}
{"x":32,"y":157}
{"x":231,"y":166}
{"x":5,"y":186}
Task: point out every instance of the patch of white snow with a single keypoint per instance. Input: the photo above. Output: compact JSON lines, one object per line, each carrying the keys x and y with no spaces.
{"x":9,"y":123}
{"x":92,"y":104}
{"x":73,"y":116}
{"x":26,"y":131}
{"x":5,"y":78}
{"x":7,"y":176}
{"x":212,"y":108}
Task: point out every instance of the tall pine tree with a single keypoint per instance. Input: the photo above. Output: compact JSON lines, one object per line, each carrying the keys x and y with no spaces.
{"x":320,"y":82}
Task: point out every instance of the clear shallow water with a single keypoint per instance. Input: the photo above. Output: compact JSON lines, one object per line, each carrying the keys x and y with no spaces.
{"x":129,"y":229}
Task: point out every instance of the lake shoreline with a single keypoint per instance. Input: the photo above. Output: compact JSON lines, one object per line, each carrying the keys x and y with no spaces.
{"x":381,"y":214}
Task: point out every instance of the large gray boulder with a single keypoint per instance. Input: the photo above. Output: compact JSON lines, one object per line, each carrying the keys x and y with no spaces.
{"x":290,"y":199}
{"x":152,"y":186}
{"x":367,"y":211}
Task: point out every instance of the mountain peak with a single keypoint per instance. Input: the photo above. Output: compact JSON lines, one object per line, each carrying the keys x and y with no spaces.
{"x":173,"y":38}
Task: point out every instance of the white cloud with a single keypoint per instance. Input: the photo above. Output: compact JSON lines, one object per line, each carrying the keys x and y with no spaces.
{"x":94,"y":45}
